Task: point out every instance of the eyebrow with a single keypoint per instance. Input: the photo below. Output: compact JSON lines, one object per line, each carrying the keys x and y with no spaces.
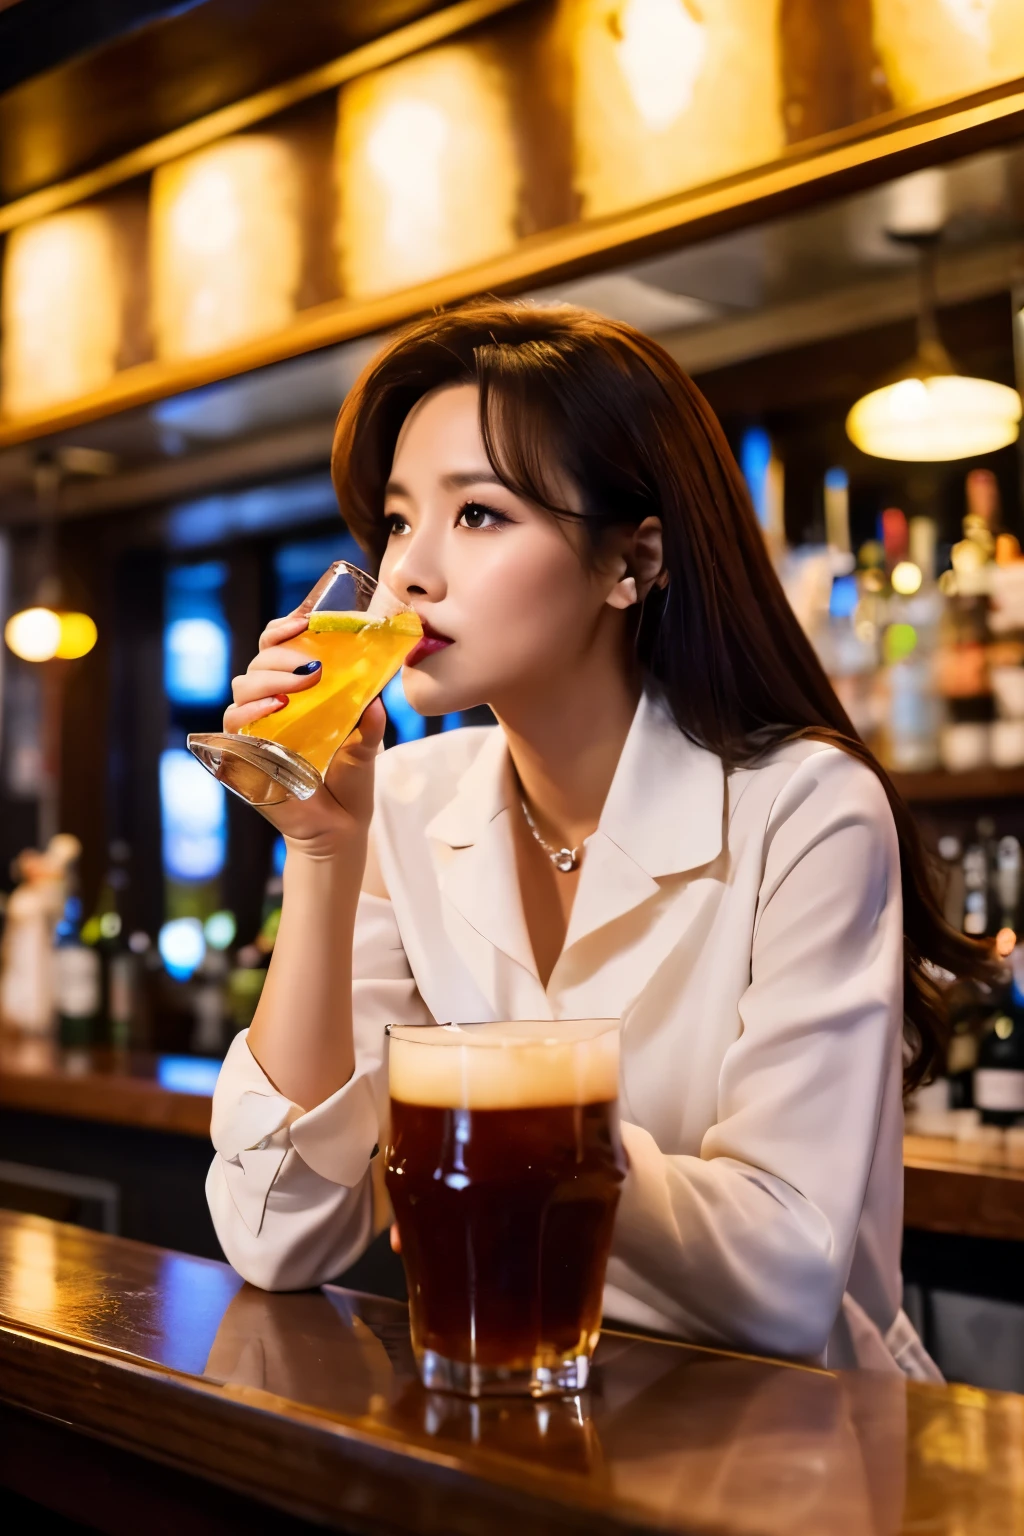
{"x":456,"y":481}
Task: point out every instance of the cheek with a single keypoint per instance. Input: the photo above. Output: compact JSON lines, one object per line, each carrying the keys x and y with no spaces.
{"x":521,"y":603}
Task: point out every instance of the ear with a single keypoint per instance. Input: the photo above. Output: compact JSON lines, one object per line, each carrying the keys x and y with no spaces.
{"x":647,"y":561}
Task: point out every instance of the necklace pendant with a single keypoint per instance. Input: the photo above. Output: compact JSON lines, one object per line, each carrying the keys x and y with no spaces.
{"x":565,"y":860}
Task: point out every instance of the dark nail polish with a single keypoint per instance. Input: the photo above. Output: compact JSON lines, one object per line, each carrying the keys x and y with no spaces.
{"x":304,"y":671}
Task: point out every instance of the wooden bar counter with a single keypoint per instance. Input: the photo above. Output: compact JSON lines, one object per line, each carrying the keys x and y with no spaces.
{"x":141,"y":1389}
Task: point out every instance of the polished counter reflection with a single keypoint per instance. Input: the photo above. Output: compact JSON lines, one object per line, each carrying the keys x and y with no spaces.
{"x":668,"y":1437}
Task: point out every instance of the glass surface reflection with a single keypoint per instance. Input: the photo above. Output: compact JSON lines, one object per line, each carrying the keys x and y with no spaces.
{"x":661,"y":1429}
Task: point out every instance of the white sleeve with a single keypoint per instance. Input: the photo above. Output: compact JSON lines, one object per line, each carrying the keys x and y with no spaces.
{"x":290,"y":1192}
{"x":749,"y":1245}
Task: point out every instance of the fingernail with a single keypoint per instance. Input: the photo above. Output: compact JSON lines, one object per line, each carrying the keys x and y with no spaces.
{"x":282,"y":698}
{"x":304,"y":671}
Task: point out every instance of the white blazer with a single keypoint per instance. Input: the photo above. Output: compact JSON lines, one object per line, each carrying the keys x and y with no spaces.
{"x":748,"y":932}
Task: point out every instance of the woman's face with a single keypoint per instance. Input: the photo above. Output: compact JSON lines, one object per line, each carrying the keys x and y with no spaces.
{"x":499,"y":577}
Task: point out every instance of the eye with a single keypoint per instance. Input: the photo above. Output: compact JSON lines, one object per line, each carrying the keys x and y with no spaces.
{"x":395,"y":524}
{"x":475,"y":515}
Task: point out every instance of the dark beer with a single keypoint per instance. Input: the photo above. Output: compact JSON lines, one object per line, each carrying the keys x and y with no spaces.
{"x":504,"y":1169}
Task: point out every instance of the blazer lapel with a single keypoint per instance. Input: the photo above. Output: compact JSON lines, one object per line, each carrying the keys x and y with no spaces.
{"x":663,"y":816}
{"x":474,"y":861}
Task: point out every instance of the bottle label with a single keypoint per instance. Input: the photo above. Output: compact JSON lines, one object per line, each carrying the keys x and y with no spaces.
{"x":77,"y":982}
{"x":998,"y":1090}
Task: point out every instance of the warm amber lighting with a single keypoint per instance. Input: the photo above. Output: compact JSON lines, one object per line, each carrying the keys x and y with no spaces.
{"x":930,"y":49}
{"x":78,"y":635}
{"x":33,"y":634}
{"x":225,"y":245}
{"x":426,"y":166}
{"x":1006,"y":943}
{"x":61,"y":310}
{"x":906,"y":578}
{"x":939,"y":417}
{"x":670,"y":93}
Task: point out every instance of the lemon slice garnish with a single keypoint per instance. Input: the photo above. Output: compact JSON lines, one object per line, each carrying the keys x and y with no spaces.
{"x":326,"y":621}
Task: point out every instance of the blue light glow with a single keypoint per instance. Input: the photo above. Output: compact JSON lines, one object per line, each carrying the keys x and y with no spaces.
{"x":279,"y":855}
{"x":836,"y":479}
{"x":409,"y":726}
{"x":182,"y":946}
{"x":299,"y":566}
{"x":844,"y":597}
{"x":451,"y":723}
{"x":755,"y":456}
{"x":197,"y":641}
{"x":193,"y":813}
{"x":266,"y":508}
{"x":187,"y":1074}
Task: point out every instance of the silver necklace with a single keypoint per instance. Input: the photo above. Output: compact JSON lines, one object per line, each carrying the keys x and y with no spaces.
{"x":564,"y":859}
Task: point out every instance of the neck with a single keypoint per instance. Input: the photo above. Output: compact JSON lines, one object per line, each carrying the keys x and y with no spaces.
{"x":565,"y":743}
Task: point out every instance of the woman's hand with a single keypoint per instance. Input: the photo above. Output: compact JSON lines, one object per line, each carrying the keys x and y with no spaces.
{"x":340,"y":812}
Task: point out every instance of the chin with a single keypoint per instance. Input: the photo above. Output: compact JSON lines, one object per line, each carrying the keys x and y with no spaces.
{"x":430,"y":696}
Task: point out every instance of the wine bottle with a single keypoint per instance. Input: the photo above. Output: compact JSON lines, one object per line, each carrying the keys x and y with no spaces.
{"x":999,"y":1075}
{"x":77,"y":981}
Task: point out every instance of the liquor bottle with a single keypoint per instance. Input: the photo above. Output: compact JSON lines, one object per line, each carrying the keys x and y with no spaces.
{"x":965,"y":1017}
{"x":1008,"y":882}
{"x":951,"y":854}
{"x":77,"y":977}
{"x":976,"y":891}
{"x":999,"y":1074}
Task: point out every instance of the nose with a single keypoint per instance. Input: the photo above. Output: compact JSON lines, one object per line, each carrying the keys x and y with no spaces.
{"x":417,"y":566}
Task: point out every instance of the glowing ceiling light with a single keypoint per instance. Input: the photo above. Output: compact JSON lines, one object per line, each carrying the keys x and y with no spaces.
{"x":418,"y":193}
{"x":33,"y":634}
{"x":225,"y":245}
{"x":78,"y":635}
{"x":934,"y":418}
{"x":663,"y":45}
{"x":929,"y":413}
{"x":62,"y":309}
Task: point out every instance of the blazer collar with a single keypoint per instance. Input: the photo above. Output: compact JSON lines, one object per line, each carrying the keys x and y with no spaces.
{"x":664,"y":809}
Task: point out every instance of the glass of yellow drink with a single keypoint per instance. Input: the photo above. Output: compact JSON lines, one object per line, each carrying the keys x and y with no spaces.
{"x":361,"y":634}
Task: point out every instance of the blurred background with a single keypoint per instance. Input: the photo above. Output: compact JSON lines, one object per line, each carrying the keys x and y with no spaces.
{"x":210,"y":216}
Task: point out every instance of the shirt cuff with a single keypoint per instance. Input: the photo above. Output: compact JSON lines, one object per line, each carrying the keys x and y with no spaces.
{"x":336,"y":1139}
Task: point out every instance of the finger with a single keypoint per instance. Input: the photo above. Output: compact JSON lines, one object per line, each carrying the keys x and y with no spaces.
{"x":237,"y":715}
{"x":286,"y":657}
{"x":396,"y":1240}
{"x":358,"y":753}
{"x":283,"y":629}
{"x":265,"y":685}
{"x":362,"y":743}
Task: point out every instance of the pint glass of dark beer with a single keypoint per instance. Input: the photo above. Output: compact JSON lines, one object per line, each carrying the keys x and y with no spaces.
{"x":503,"y":1168}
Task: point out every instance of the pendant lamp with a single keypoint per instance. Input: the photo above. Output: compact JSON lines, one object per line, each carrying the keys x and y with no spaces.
{"x":47,"y":629}
{"x":927,"y":412}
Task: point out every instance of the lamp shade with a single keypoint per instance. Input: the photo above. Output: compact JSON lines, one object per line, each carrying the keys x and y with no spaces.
{"x":420,"y":191}
{"x":225,"y":245}
{"x":935,"y":417}
{"x":931,"y":49}
{"x":668,"y":94}
{"x":62,"y":315}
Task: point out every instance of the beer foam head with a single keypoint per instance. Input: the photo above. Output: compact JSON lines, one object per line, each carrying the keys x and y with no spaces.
{"x":522,"y":1065}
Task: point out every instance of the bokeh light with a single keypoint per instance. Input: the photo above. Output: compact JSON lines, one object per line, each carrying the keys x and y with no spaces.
{"x":182,"y":946}
{"x":33,"y":634}
{"x":78,"y":635}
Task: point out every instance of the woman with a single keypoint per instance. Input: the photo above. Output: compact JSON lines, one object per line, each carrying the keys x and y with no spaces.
{"x":673,"y":822}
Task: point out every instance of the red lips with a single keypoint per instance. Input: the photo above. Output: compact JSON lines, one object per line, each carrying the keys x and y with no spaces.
{"x":432,"y":642}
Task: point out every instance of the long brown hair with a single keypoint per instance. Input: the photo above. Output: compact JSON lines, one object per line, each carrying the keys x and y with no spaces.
{"x":563,"y":387}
